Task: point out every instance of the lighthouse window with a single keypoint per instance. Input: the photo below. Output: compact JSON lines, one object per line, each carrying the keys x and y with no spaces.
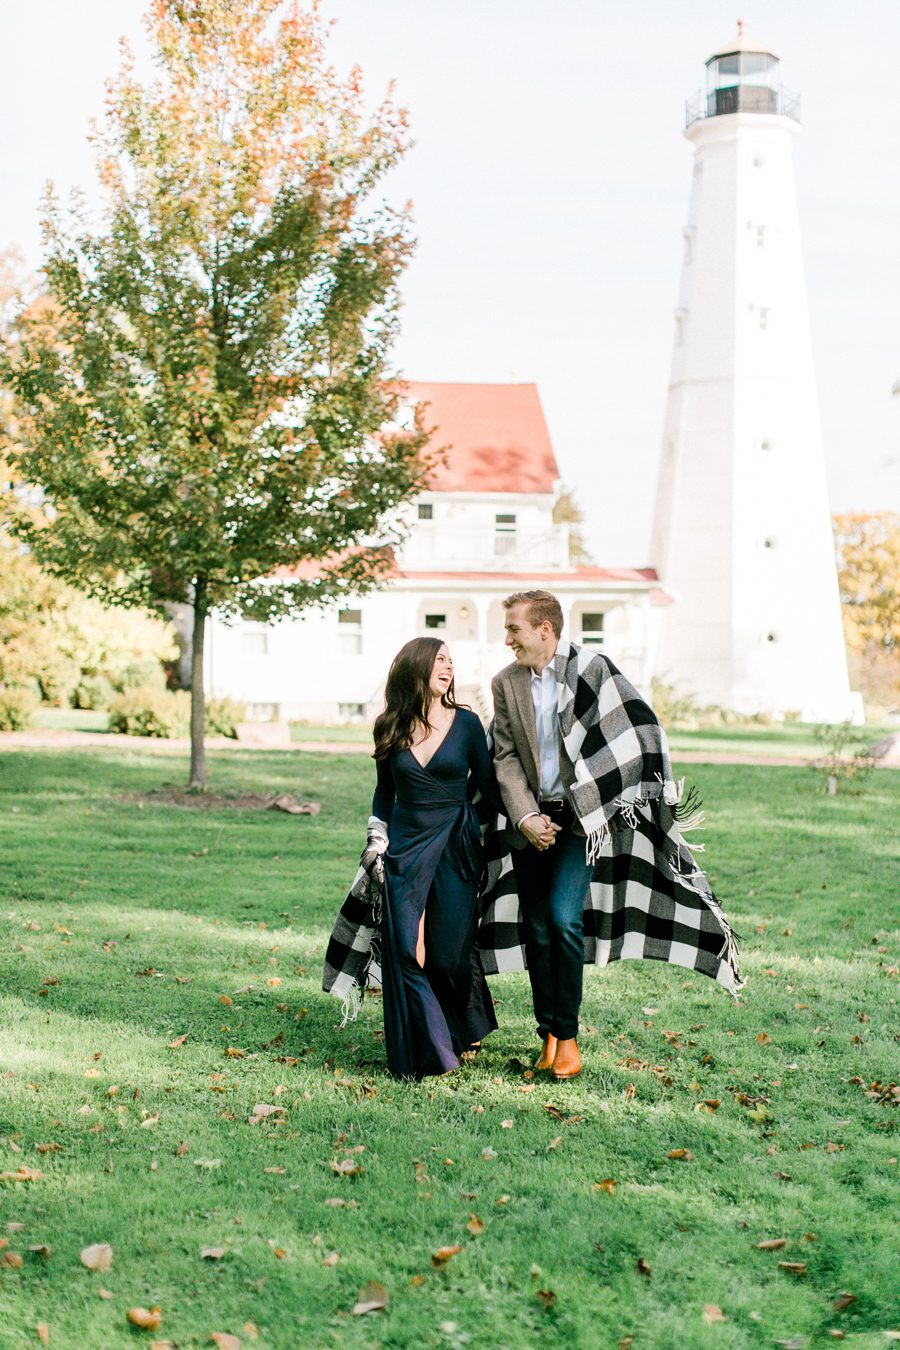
{"x":768,"y":542}
{"x":763,"y":318}
{"x":760,"y":236}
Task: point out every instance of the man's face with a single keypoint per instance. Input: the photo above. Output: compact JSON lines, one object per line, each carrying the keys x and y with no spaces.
{"x":531,"y":646}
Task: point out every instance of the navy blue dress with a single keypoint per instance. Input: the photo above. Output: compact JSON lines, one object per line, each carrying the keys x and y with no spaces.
{"x":433,"y":1014}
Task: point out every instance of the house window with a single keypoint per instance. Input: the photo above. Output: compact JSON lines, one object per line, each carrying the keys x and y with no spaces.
{"x":353,"y":712}
{"x":592,"y":630}
{"x":435,"y":621}
{"x":504,"y":534}
{"x":426,"y":511}
{"x":254,"y":640}
{"x":350,"y":632}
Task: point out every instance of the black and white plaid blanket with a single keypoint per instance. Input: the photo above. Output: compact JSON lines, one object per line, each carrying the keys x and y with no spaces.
{"x":353,"y":957}
{"x":648,"y":899}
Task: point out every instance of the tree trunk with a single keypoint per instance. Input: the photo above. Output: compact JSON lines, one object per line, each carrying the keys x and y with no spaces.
{"x":198,"y":706}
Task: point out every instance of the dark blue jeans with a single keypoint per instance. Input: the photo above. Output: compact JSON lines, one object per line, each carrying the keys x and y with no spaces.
{"x":552,"y":888}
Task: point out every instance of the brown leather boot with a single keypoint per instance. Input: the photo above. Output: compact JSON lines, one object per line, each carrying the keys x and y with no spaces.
{"x":547,"y":1055}
{"x":567,"y":1063}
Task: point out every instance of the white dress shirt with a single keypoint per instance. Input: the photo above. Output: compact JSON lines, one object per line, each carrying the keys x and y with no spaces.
{"x":543,"y":698}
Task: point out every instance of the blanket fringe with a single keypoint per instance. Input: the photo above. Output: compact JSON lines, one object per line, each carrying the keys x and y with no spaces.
{"x":351,"y":1004}
{"x":597,"y":840}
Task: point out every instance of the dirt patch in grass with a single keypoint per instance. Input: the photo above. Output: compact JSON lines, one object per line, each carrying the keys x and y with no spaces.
{"x":217,"y":801}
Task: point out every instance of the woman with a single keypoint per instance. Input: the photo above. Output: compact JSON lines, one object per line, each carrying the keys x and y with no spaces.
{"x":436,"y":1001}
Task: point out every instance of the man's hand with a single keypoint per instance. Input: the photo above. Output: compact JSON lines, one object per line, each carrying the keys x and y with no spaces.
{"x":540,"y":831}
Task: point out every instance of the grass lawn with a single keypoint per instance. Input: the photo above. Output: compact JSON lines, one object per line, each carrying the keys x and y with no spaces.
{"x":161,"y":976}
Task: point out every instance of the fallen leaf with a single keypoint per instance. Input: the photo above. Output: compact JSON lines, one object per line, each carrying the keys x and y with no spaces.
{"x":92,"y":1073}
{"x":680,"y":1154}
{"x":417,"y":1281}
{"x":630,"y":1092}
{"x":475,"y":1225}
{"x":793,"y":1267}
{"x":278,"y":1172}
{"x":105,"y":1293}
{"x":772,"y":1244}
{"x":607,"y":1184}
{"x":555,"y":1143}
{"x":346,"y":1167}
{"x":507,"y":1124}
{"x":443,"y":1254}
{"x":225,"y":1341}
{"x":488,"y":1153}
{"x":99,"y":1256}
{"x":211,"y":1253}
{"x":763,"y":1039}
{"x":547,"y":1297}
{"x":277,"y":1251}
{"x":502,"y":1200}
{"x":262,"y":1110}
{"x":43,"y":1333}
{"x":233,"y":1052}
{"x":181,"y":1150}
{"x":149,"y":1121}
{"x":179,"y":1040}
{"x":208,"y":1162}
{"x":843,"y":1302}
{"x":47,"y":1148}
{"x":148,"y":1319}
{"x":22,"y":1174}
{"x":12,"y":1260}
{"x":331,"y":1259}
{"x":41,"y":1249}
{"x":373,"y":1297}
{"x":643,"y":1267}
{"x":15,"y":1228}
{"x":226,"y":1001}
{"x":713,"y":1313}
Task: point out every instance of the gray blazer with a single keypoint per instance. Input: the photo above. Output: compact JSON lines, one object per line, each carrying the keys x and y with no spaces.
{"x":516,"y":759}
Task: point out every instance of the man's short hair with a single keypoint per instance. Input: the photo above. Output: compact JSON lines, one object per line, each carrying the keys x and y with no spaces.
{"x":540,"y":605}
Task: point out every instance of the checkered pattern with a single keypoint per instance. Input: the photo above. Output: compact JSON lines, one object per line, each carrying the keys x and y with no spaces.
{"x":648,"y":899}
{"x":352,"y":958}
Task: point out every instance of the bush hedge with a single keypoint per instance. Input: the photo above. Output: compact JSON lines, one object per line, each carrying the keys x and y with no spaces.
{"x":16,"y":709}
{"x":151,"y":712}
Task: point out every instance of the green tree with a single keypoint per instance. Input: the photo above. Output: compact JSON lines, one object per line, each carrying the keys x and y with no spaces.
{"x":205,"y":399}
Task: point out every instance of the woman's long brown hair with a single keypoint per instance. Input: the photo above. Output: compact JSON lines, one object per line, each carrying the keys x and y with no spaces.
{"x":407,"y":697}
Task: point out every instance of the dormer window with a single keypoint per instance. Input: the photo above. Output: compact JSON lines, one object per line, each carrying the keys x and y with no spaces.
{"x":504,"y":534}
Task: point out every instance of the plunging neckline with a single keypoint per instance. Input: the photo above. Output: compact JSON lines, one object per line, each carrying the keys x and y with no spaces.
{"x":437,"y":751}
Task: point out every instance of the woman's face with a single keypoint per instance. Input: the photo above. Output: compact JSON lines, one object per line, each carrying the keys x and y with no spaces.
{"x":441,"y":673}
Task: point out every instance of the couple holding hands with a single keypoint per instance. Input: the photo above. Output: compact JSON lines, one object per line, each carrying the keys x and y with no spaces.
{"x":571,"y":853}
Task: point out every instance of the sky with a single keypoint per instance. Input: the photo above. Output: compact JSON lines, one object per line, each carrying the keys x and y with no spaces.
{"x":550,"y":182}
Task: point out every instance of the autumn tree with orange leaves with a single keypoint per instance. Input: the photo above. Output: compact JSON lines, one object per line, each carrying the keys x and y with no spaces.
{"x":205,"y":397}
{"x":868,"y":555}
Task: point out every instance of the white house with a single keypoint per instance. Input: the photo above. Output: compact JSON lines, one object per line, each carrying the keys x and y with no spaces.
{"x":482,"y":530}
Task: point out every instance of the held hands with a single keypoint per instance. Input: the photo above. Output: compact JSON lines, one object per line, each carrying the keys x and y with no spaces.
{"x":540,"y":831}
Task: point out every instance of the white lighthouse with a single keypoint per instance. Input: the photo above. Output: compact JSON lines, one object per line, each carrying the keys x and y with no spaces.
{"x":742,"y":532}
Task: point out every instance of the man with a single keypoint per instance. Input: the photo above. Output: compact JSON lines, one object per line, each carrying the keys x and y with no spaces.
{"x":600,"y":869}
{"x":549,"y":855}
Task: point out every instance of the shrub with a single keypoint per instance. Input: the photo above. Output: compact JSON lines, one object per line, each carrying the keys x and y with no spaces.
{"x":845,"y":758}
{"x":223,"y":715}
{"x":16,"y":709}
{"x":94,"y":691}
{"x":142,"y":674}
{"x":151,"y":712}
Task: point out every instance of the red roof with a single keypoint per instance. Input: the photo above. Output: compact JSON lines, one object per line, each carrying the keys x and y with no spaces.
{"x":495,"y":434}
{"x":559,"y":574}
